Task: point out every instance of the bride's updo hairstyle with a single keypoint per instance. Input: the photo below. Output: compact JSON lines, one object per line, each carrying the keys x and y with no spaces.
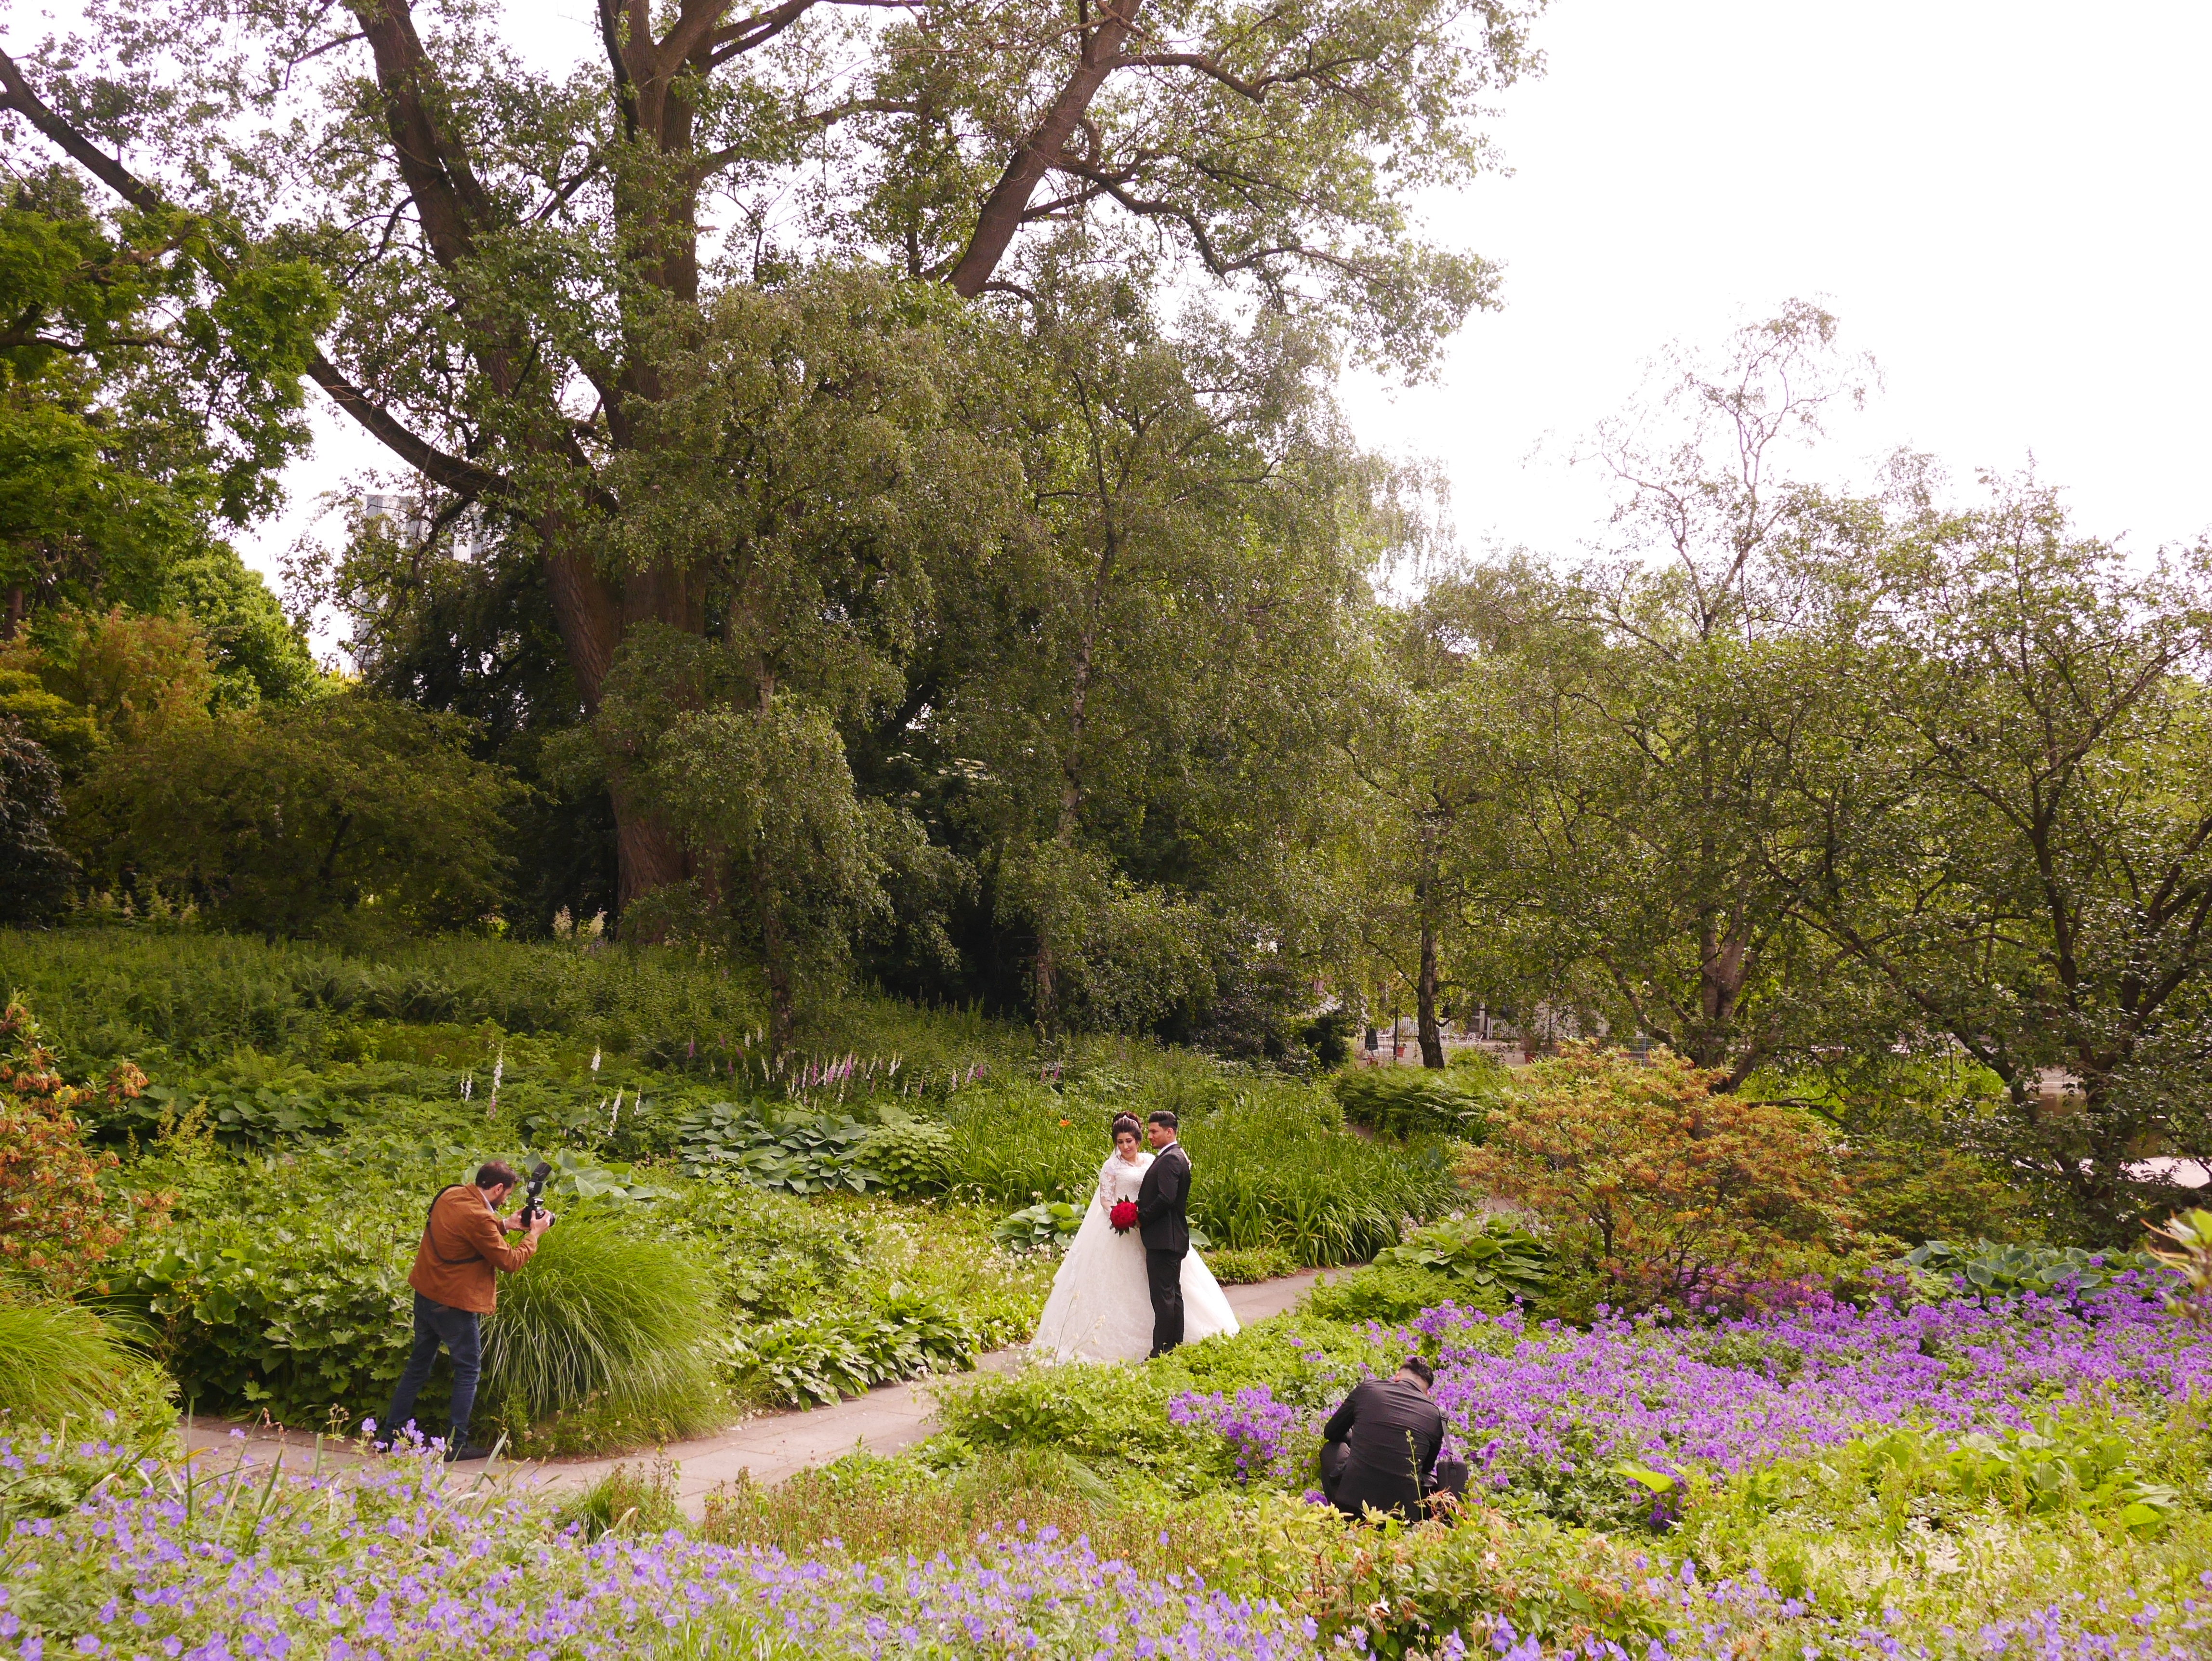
{"x":1125,"y":1122}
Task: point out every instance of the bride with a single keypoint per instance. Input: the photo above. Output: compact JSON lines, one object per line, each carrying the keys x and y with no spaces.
{"x":1100,"y":1309}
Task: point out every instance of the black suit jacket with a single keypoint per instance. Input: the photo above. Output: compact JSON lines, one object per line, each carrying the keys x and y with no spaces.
{"x":1392,"y":1430}
{"x":1163,"y":1201}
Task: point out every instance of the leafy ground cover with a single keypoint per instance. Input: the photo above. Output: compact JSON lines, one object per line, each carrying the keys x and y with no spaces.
{"x":739,"y":1230}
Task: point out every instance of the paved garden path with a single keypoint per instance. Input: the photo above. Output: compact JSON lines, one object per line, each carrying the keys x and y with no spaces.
{"x":770,"y":1448}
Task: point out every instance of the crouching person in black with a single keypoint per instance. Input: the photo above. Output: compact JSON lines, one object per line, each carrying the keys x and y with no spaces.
{"x":1379,"y":1450}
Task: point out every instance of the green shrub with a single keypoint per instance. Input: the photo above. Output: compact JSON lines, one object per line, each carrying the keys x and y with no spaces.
{"x":785,"y":1148}
{"x":603,"y":1315}
{"x":821,"y":1358}
{"x":1049,"y":1224}
{"x":1912,"y":1191}
{"x":57,"y":1360}
{"x":911,"y":1156}
{"x":2051,"y":1467}
{"x":285,"y":819}
{"x":300,"y":1317}
{"x":1414,"y":1101}
{"x":1250,"y":1265}
{"x":1393,"y":1294}
{"x":1102,"y":1413}
{"x":2004,"y":1271}
{"x":1482,"y":1253}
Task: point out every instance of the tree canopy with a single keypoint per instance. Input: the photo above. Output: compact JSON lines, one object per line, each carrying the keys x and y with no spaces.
{"x":865,"y":493}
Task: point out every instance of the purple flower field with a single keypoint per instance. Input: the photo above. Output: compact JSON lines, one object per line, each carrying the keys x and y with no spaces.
{"x":400,"y":1560}
{"x":1520,"y":1399}
{"x":393,"y":1561}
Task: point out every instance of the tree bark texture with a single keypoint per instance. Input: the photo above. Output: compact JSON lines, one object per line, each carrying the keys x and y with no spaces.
{"x":1425,"y":995}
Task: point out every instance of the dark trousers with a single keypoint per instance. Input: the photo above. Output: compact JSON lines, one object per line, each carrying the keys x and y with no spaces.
{"x":1163,"y":1274}
{"x":1334,"y":1457}
{"x":459,"y":1331}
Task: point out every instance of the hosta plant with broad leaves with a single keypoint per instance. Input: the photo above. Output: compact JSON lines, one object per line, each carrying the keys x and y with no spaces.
{"x":1048,"y":1226}
{"x":1986,"y":1269}
{"x":1481,"y":1251}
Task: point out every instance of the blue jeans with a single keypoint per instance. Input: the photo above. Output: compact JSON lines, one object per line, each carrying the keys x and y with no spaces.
{"x":459,"y":1331}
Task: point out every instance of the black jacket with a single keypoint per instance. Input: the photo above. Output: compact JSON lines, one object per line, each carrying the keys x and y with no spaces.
{"x":1392,"y":1430}
{"x":1163,"y":1199}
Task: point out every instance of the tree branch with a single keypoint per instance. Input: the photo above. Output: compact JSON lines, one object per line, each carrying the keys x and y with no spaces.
{"x":625,"y":90}
{"x":447,"y":471}
{"x":73,"y":143}
{"x":735,"y":39}
{"x":1254,"y":90}
{"x":451,"y":472}
{"x":1000,"y":216}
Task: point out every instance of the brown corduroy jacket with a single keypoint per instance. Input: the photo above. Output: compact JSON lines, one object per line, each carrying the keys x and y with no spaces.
{"x":463,"y":1245}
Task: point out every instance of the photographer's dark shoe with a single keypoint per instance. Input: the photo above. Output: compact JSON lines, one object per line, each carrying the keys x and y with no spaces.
{"x":457,"y":1456}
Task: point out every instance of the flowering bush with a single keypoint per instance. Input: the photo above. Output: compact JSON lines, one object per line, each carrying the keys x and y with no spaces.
{"x":1261,"y":1432}
{"x":56,"y":1224}
{"x":1654,"y":1183}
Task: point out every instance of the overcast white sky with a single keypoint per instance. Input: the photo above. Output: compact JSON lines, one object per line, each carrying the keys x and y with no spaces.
{"x":2005,"y":202}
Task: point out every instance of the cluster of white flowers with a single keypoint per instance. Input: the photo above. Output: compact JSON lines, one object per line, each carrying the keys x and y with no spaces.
{"x":566,"y":928}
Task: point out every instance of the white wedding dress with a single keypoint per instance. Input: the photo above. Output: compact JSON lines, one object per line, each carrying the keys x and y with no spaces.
{"x":1101,"y":1309}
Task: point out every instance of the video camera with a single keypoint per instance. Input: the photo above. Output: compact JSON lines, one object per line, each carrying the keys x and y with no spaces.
{"x":534,"y":1185}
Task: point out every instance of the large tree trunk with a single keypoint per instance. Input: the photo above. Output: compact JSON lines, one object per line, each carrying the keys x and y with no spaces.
{"x":592,"y":615}
{"x":776,"y":966}
{"x":1425,"y":996}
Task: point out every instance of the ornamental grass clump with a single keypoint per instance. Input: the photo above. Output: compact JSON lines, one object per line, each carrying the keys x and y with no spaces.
{"x":57,"y":1360}
{"x":602,"y":1316}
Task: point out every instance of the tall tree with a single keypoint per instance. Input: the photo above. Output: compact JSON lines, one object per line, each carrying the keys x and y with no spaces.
{"x":1676,"y":685}
{"x":1145,"y":683}
{"x":1439,"y":745}
{"x":144,"y":406}
{"x":2009,"y":824}
{"x":523,"y":255}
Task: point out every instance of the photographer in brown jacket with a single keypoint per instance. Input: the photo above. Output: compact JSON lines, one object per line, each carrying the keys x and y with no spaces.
{"x":456,"y":1281}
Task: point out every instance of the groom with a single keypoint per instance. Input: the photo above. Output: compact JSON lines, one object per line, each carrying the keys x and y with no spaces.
{"x":1162,"y":1202}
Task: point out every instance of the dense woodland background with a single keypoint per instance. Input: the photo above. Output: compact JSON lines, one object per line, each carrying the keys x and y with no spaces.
{"x":867,"y":503}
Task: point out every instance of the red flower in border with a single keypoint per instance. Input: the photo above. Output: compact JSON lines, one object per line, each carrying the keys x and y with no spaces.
{"x":1123,"y":1216}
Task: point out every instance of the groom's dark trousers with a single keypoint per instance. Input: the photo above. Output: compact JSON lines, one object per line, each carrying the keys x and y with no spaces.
{"x":1163,"y":1202}
{"x":1163,"y":1274}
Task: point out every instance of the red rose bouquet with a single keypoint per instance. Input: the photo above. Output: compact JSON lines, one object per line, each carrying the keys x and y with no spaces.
{"x":1123,"y":1216}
